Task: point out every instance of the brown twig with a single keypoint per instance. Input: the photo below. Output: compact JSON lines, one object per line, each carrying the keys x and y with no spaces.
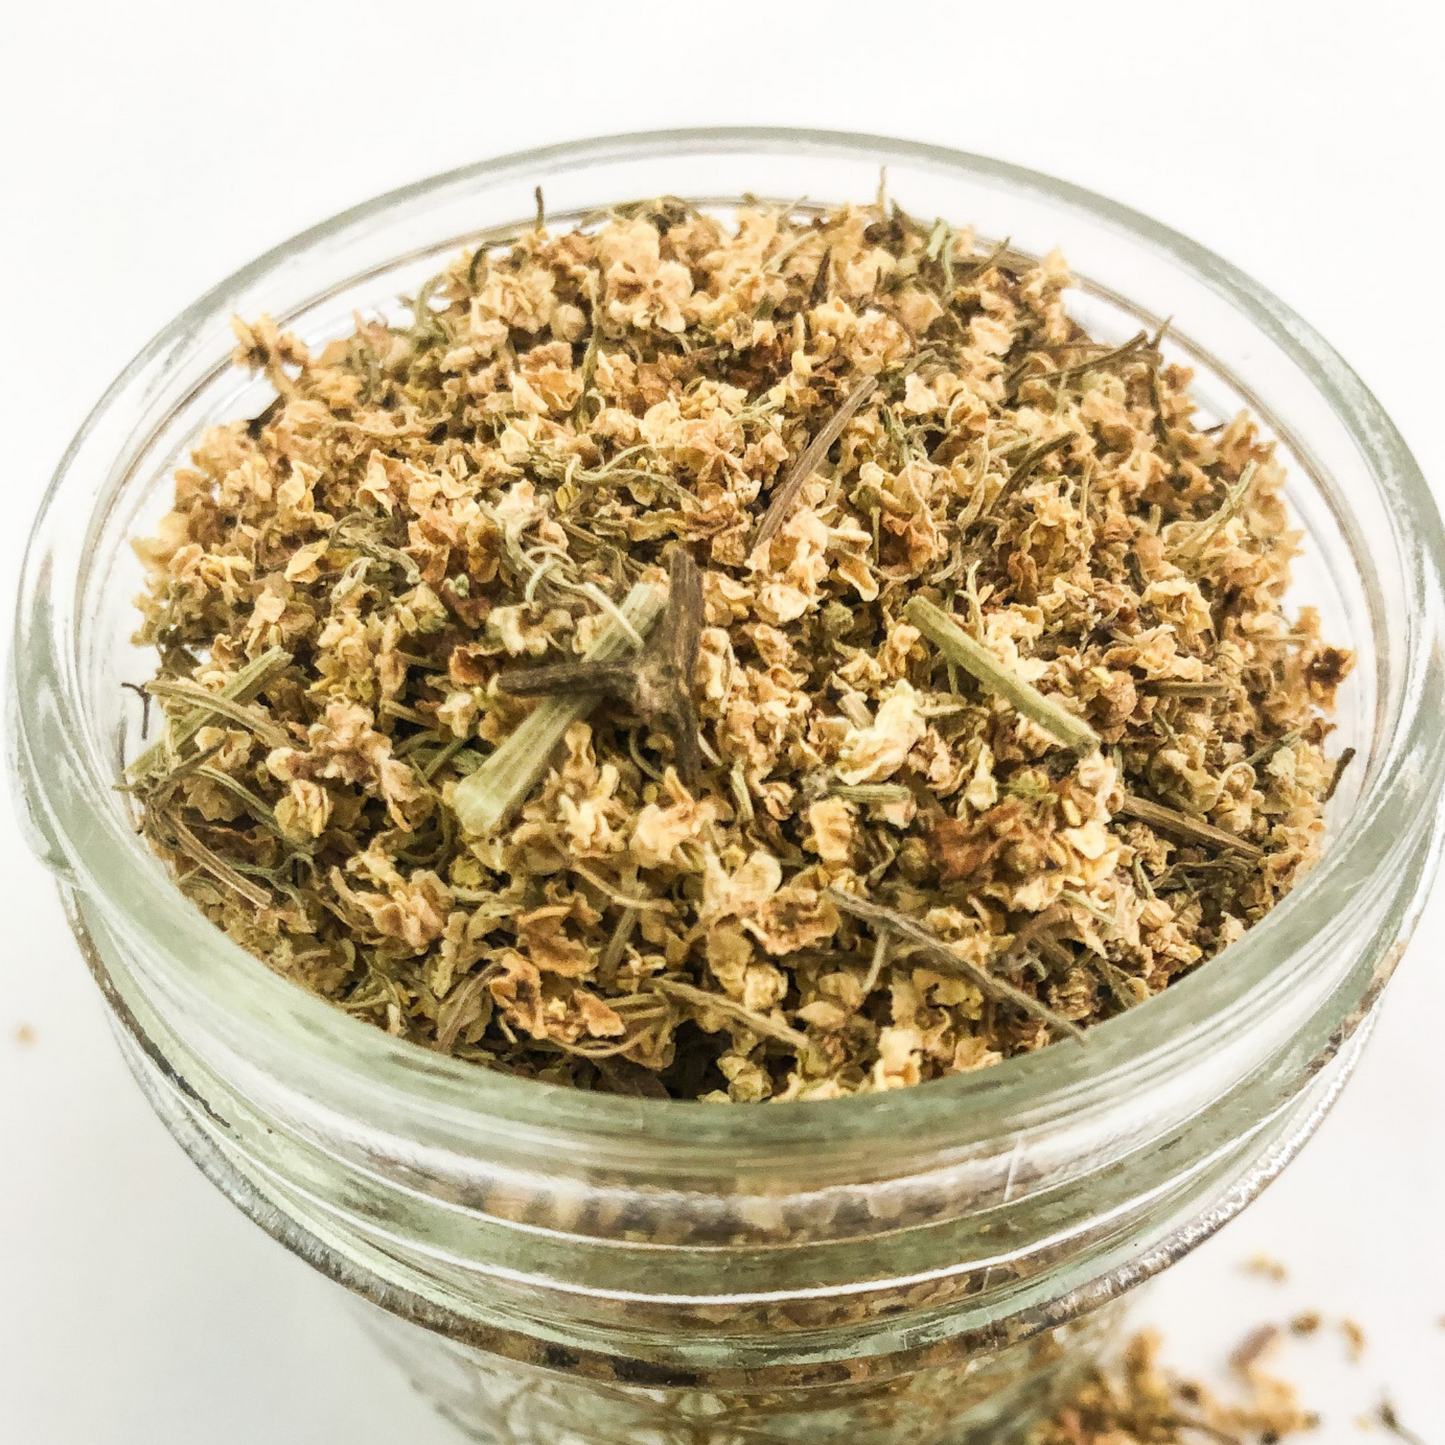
{"x":656,"y":683}
{"x":1341,"y":763}
{"x":1179,"y":688}
{"x":1181,"y":825}
{"x":807,"y":464}
{"x":484,"y":799}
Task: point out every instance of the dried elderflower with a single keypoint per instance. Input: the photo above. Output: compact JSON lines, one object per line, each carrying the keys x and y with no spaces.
{"x":1139,"y":1403}
{"x":767,"y":660}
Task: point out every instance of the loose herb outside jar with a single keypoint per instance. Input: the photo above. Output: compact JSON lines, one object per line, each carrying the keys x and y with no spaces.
{"x":631,"y":1261}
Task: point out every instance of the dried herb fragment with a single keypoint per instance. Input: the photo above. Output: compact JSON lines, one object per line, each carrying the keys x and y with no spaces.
{"x":975,"y":659}
{"x":228,"y":702}
{"x":1267,"y":1267}
{"x":486,"y":798}
{"x":942,"y":954}
{"x":970,"y":714}
{"x":657,"y":683}
{"x":1180,"y":825}
{"x":1390,"y":1419}
{"x":1136,"y":1400}
{"x":807,"y":464}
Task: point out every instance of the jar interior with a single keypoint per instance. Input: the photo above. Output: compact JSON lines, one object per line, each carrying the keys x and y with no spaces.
{"x":1336,"y":572}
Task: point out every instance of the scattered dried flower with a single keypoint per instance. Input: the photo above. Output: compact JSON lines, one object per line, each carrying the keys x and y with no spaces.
{"x":1267,"y":1267}
{"x":1138,"y":1401}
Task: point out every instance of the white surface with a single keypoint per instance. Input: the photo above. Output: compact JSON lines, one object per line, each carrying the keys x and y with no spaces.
{"x":147,"y":149}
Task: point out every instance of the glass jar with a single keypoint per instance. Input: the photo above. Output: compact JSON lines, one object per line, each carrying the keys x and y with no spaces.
{"x":554,"y":1266}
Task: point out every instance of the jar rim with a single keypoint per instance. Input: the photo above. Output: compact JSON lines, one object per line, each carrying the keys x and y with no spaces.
{"x":66,"y":788}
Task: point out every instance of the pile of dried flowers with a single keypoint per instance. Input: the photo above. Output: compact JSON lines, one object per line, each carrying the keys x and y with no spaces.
{"x":744,"y":661}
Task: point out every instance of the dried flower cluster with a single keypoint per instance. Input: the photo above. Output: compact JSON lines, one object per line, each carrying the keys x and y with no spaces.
{"x":754,"y":661}
{"x":1138,"y":1403}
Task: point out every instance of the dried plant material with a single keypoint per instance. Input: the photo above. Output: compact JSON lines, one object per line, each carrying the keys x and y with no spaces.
{"x":950,"y":957}
{"x":773,"y":659}
{"x":1267,"y":1267}
{"x":1306,"y":1324}
{"x":782,"y":503}
{"x":1354,"y":1340}
{"x":1341,"y":763}
{"x":1391,"y":1421}
{"x":1173,"y":823}
{"x":486,"y":798}
{"x":656,"y":685}
{"x":975,"y":659}
{"x":228,"y":701}
{"x":1256,"y":1346}
{"x":1138,"y":1401}
{"x":24,"y":1035}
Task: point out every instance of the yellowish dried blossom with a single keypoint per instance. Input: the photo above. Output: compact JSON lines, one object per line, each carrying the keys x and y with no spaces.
{"x":875,"y":753}
{"x":1118,"y":769}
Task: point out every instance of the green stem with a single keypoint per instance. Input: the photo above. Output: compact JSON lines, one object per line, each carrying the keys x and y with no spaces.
{"x":980,"y":663}
{"x":246,"y":684}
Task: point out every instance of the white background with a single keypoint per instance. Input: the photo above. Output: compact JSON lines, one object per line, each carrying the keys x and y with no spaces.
{"x":147,"y":149}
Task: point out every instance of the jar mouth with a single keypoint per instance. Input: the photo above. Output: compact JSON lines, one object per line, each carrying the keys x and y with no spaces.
{"x":67,"y":771}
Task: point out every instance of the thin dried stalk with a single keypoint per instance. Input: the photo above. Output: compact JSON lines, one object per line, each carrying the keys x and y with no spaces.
{"x":979,"y":266}
{"x":179,"y":731}
{"x":878,"y":962}
{"x":251,"y":718}
{"x":870,"y":792}
{"x":1174,"y":688}
{"x":738,"y":783}
{"x":956,"y":645}
{"x":807,"y":464}
{"x":943,"y":952}
{"x":755,"y":1021}
{"x":218,"y":868}
{"x":1033,"y":932}
{"x":1195,"y":543}
{"x":1025,"y":469}
{"x":617,"y":944}
{"x":1341,"y":763}
{"x":1181,"y":825}
{"x":254,"y":805}
{"x":486,"y":798}
{"x":1135,"y":343}
{"x":1264,"y":754}
{"x":453,"y":1016}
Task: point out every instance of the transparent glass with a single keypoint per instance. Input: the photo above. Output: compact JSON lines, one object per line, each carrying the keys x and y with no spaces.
{"x":554,"y":1266}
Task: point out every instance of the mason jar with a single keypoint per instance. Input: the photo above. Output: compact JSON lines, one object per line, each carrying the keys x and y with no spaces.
{"x":926,"y":1265}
